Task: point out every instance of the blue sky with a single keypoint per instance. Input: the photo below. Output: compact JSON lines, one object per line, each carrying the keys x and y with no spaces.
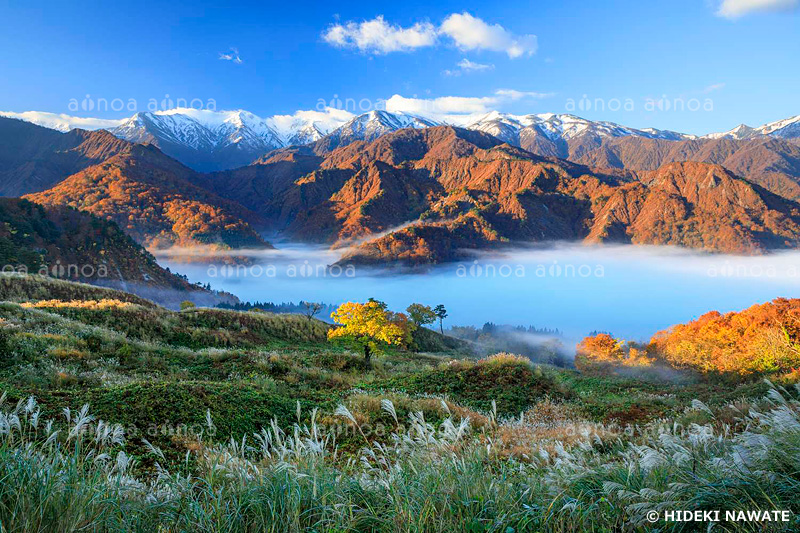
{"x":625,"y":54}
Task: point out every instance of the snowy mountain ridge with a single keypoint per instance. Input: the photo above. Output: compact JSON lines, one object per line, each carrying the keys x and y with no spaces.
{"x":788,"y":128}
{"x":217,"y":140}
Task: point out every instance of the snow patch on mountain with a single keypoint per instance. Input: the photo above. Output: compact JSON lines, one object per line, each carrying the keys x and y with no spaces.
{"x":304,"y":127}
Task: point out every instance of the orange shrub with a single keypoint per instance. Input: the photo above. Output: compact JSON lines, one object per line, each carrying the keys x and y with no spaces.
{"x":602,"y":352}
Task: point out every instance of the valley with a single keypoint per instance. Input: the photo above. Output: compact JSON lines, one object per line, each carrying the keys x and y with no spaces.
{"x":390,"y":300}
{"x":380,"y":267}
{"x":571,"y":288}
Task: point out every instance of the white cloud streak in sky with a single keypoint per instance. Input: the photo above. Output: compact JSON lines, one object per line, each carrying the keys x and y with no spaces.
{"x":459,"y":105}
{"x":733,"y":9}
{"x":465,"y":66}
{"x":61,"y":121}
{"x":232,"y":55}
{"x":714,"y":87}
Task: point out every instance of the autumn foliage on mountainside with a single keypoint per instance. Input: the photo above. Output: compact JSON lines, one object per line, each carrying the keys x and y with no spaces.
{"x":425,"y":196}
{"x":762,"y":338}
{"x":144,"y":193}
{"x":62,"y":242}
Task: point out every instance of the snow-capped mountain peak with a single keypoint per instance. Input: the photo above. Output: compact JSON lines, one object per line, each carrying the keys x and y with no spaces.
{"x":235,"y":137}
{"x":200,"y":129}
{"x":371,"y":125}
{"x":788,"y":128}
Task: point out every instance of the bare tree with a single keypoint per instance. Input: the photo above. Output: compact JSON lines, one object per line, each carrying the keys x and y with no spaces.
{"x":312,"y":308}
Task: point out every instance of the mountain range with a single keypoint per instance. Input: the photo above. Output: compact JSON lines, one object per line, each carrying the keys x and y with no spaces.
{"x":397,"y":188}
{"x":425,"y":195}
{"x":150,"y":195}
{"x":220,"y":140}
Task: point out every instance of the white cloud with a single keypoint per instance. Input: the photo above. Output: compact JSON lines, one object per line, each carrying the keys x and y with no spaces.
{"x":231,"y":55}
{"x":325,"y":120}
{"x":451,"y":107}
{"x":379,"y":37}
{"x":714,"y":87}
{"x":465,"y":66}
{"x":472,"y":33}
{"x":512,"y":94}
{"x":439,"y":106}
{"x":467,"y":32}
{"x":732,"y":9}
{"x":62,"y":122}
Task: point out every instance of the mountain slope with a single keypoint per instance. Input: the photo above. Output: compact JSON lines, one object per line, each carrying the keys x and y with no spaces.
{"x":788,"y":128}
{"x":34,"y":158}
{"x":564,"y":136}
{"x":150,"y":196}
{"x":693,"y":205}
{"x":368,"y":127}
{"x":64,"y":243}
{"x":227,"y":141}
{"x":357,"y":190}
{"x":773,"y":163}
{"x":218,"y":140}
{"x":699,"y":206}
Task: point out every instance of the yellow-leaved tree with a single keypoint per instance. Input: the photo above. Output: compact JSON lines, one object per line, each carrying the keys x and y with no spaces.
{"x":369,"y":327}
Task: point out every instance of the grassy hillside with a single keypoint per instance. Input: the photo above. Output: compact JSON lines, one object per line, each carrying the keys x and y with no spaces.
{"x":21,"y":288}
{"x":322,"y":440}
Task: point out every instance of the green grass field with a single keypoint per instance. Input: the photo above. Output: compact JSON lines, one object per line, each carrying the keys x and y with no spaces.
{"x":208,"y":419}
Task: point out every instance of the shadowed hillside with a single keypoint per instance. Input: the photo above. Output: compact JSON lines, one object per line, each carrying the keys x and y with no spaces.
{"x":772,"y":163}
{"x":151,"y":196}
{"x":64,"y":243}
{"x":33,"y":158}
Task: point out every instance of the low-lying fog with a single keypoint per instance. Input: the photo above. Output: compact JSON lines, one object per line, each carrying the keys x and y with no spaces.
{"x":630,"y":291}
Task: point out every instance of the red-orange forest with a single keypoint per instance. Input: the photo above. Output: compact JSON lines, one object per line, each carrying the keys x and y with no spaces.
{"x":764,"y":338}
